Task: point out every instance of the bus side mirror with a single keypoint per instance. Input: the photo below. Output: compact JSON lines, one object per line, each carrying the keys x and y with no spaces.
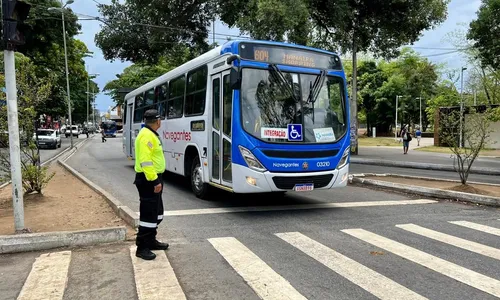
{"x":235,"y":79}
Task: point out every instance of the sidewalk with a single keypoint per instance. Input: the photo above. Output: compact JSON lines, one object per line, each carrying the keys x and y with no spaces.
{"x":394,"y":157}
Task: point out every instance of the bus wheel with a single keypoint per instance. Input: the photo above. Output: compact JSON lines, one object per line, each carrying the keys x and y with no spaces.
{"x":200,"y":189}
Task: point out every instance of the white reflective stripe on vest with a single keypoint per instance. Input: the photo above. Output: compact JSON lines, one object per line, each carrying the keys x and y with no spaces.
{"x":160,"y":217}
{"x":147,"y":224}
{"x":146,"y":163}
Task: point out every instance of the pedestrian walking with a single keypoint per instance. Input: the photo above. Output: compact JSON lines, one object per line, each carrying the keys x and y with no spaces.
{"x":149,"y":167}
{"x":103,"y":135}
{"x":406,"y":136}
{"x":418,"y":134}
{"x":86,"y":131}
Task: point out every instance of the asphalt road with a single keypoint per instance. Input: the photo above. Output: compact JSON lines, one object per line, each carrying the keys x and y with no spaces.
{"x":353,"y":247}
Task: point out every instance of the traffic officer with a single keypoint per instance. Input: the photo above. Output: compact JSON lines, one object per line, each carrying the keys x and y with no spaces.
{"x":149,"y":167}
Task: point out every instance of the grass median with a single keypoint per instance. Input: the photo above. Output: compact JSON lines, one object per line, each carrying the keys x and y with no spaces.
{"x":378,"y":141}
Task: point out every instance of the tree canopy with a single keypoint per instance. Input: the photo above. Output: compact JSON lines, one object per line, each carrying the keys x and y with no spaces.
{"x":137,"y":32}
{"x":44,"y":48}
{"x":485,"y":33}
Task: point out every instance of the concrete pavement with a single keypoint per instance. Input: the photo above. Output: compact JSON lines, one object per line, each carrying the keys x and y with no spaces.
{"x":352,"y":245}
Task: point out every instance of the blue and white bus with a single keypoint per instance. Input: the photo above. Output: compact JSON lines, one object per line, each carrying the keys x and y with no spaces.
{"x":250,"y":117}
{"x":109,"y":128}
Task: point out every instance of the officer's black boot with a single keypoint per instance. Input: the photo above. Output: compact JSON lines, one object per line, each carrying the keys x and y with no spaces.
{"x":145,"y":253}
{"x":159,"y":246}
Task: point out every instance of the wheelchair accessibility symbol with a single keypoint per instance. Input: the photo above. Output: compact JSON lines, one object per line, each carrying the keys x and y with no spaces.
{"x":294,"y":132}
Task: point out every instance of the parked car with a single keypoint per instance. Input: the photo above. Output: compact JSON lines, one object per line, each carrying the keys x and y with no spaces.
{"x":48,"y":138}
{"x":73,"y":130}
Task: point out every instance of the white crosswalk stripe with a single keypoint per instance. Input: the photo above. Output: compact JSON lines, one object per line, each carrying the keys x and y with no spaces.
{"x":155,"y":279}
{"x":452,"y":240}
{"x":373,"y":282}
{"x":264,"y":281}
{"x":50,"y":273}
{"x":48,"y":277}
{"x":478,"y":227}
{"x":469,"y":277}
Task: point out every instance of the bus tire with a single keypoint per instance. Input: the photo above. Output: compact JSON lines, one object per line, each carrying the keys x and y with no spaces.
{"x":200,"y":189}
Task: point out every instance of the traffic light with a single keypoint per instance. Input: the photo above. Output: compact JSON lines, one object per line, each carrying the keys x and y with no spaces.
{"x":14,"y":14}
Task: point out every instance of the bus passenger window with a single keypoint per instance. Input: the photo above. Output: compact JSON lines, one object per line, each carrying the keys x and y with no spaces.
{"x":149,"y":97}
{"x":138,"y":109}
{"x":227,"y":109}
{"x":161,"y":98}
{"x":175,"y":101}
{"x":196,"y":92}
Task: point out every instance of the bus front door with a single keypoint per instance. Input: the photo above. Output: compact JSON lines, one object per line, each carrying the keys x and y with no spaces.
{"x":222,"y":107}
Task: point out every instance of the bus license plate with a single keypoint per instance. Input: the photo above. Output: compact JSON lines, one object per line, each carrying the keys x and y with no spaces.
{"x":305,"y":187}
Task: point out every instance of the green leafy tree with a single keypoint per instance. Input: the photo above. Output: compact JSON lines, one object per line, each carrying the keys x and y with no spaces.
{"x":32,"y":91}
{"x":285,"y":20}
{"x":484,"y":32}
{"x":379,"y":26}
{"x":137,"y":32}
{"x":140,"y":73}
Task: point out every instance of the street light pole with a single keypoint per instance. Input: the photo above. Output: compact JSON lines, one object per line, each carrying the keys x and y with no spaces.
{"x":67,"y":77}
{"x":461,"y":105}
{"x":66,"y":65}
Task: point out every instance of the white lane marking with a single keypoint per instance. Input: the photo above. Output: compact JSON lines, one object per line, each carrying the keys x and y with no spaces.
{"x":262,"y":279}
{"x":371,"y":281}
{"x":48,"y":277}
{"x":469,"y":277}
{"x":479,"y":227}
{"x":155,"y":279}
{"x":220,"y":210}
{"x":453,"y":240}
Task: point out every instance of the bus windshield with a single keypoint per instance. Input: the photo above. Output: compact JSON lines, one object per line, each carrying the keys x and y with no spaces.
{"x":271,"y":100}
{"x":109,"y":125}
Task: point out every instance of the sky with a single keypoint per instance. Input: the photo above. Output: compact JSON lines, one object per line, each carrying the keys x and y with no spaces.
{"x":433,"y":44}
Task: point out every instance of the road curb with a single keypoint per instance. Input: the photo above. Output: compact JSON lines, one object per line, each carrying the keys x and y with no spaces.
{"x":123,"y":211}
{"x":422,"y":178}
{"x":50,"y":240}
{"x":429,"y":192}
{"x":417,"y":165}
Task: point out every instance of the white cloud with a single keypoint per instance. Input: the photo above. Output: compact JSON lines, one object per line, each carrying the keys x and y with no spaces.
{"x":459,"y":11}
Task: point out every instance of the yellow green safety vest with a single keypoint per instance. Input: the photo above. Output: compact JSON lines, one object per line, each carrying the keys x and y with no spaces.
{"x":149,"y":158}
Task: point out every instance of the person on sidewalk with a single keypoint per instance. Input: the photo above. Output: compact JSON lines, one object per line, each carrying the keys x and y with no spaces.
{"x":149,"y":167}
{"x":418,"y":134}
{"x":406,"y":136}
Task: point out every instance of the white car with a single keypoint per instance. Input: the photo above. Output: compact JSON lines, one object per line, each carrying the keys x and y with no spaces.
{"x":48,"y":138}
{"x":73,"y":130}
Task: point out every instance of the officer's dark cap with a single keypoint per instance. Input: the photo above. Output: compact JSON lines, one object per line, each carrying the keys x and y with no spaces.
{"x":152,"y":114}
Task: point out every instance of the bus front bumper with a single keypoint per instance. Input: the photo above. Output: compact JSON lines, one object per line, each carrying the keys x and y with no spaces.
{"x":250,"y":181}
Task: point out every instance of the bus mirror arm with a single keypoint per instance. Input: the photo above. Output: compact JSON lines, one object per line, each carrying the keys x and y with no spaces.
{"x":235,"y":76}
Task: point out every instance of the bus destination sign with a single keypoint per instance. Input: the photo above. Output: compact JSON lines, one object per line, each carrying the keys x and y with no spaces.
{"x":289,"y":56}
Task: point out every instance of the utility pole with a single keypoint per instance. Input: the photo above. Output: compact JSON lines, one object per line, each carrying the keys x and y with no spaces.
{"x":88,"y":100}
{"x":461,"y":105}
{"x":14,"y":13}
{"x":396,"y":123}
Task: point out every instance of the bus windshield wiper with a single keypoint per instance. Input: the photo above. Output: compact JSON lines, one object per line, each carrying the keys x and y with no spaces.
{"x":281,"y":80}
{"x":314,"y":89}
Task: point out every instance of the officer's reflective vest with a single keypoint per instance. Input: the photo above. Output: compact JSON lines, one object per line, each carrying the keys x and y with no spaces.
{"x":149,"y":158}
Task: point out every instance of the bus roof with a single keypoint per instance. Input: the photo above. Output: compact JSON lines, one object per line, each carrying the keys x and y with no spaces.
{"x":228,"y":47}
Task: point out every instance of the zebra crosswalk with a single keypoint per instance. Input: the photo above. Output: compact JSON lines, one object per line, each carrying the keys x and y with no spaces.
{"x":51,"y":272}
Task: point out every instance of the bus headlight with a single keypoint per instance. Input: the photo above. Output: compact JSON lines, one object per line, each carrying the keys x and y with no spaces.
{"x":252,"y":162}
{"x":344,"y":159}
